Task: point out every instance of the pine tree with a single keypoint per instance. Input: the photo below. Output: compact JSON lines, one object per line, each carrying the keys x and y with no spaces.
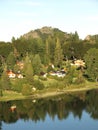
{"x":5,"y":81}
{"x":11,"y":60}
{"x":91,"y":61}
{"x":51,"y":41}
{"x":28,"y":69}
{"x":58,"y":56}
{"x":47,"y":53}
{"x":37,"y":65}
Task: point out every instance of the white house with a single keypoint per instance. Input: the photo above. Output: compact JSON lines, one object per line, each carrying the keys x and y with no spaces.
{"x":58,"y":74}
{"x":79,"y":63}
{"x":20,"y":76}
{"x":11,"y":74}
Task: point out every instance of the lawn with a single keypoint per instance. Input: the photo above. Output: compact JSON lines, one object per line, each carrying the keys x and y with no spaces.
{"x":48,"y":91}
{"x":11,"y":95}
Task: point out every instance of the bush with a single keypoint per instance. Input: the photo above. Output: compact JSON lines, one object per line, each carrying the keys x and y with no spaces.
{"x":26,"y":89}
{"x":38,"y":84}
{"x":49,"y":68}
{"x":42,"y":78}
{"x":1,"y":93}
{"x":17,"y":84}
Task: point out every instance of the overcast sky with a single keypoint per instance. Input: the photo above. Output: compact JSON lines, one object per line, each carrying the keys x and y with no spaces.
{"x":21,"y":16}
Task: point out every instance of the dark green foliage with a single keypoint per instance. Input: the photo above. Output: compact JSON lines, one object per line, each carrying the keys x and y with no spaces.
{"x":34,"y":42}
{"x":51,"y":41}
{"x":80,"y":79}
{"x":5,"y":49}
{"x":11,"y":61}
{"x":26,"y":89}
{"x":16,"y":68}
{"x":28,"y":69}
{"x":49,"y":69}
{"x":75,"y":37}
{"x":42,"y":47}
{"x":13,"y":39}
{"x":1,"y":92}
{"x":38,"y":84}
{"x":22,"y":46}
{"x":37,"y":65}
{"x":58,"y":55}
{"x":71,"y":76}
{"x":1,"y":69}
{"x":5,"y":81}
{"x":47,"y":53}
{"x":18,"y":84}
{"x":91,"y":60}
{"x":74,"y":76}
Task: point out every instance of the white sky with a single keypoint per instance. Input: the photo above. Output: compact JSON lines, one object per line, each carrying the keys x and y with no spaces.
{"x":21,"y":16}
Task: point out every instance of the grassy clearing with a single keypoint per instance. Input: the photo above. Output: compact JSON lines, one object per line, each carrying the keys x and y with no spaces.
{"x":11,"y":95}
{"x":48,"y":92}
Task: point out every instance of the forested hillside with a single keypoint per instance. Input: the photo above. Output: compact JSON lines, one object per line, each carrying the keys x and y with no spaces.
{"x":43,"y":42}
{"x":43,"y":51}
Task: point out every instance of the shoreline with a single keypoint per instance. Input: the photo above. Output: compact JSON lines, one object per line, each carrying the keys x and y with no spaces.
{"x":46,"y":93}
{"x":64,"y":91}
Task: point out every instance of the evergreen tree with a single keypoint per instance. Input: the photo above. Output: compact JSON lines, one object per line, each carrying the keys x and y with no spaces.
{"x":11,"y":61}
{"x":27,"y":89}
{"x":47,"y":53}
{"x":1,"y":90}
{"x":58,"y":56}
{"x":41,"y":49}
{"x":16,"y":54}
{"x":37,"y":65}
{"x":91,"y":61}
{"x":51,"y":41}
{"x":13,"y":39}
{"x":76,"y":36}
{"x":71,"y":76}
{"x":5,"y":81}
{"x":0,"y":125}
{"x":5,"y":49}
{"x":28,"y":69}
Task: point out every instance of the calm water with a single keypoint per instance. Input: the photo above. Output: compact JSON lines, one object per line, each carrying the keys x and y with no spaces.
{"x":67,"y":112}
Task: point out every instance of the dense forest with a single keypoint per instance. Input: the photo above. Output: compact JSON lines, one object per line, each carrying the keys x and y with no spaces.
{"x":38,"y":50}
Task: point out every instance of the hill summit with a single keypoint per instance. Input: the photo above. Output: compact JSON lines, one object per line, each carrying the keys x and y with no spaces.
{"x":45,"y":32}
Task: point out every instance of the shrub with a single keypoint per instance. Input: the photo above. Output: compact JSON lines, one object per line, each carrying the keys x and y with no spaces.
{"x":26,"y":89}
{"x":49,"y":68}
{"x":42,"y":78}
{"x":17,"y":84}
{"x":38,"y":84}
{"x":1,"y":93}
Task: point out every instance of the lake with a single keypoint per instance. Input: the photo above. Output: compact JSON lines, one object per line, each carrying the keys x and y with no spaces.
{"x":77,"y":111}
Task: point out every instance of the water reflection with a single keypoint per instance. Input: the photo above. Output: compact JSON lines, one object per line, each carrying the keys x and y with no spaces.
{"x":55,"y":107}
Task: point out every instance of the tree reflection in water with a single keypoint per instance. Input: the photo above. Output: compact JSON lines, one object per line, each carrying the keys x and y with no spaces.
{"x":59,"y":106}
{"x":0,"y":125}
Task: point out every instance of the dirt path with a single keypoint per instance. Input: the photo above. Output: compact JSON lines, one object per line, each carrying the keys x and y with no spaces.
{"x":63,"y":91}
{"x":49,"y":93}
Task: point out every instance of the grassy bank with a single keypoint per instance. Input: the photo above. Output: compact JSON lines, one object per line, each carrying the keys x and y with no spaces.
{"x":70,"y":89}
{"x":11,"y":95}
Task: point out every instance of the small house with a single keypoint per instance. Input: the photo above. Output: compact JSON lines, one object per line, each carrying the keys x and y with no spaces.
{"x":11,"y":74}
{"x":20,"y":76}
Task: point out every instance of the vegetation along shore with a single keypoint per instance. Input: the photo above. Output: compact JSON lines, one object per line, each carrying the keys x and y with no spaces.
{"x":10,"y":95}
{"x":47,"y":62}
